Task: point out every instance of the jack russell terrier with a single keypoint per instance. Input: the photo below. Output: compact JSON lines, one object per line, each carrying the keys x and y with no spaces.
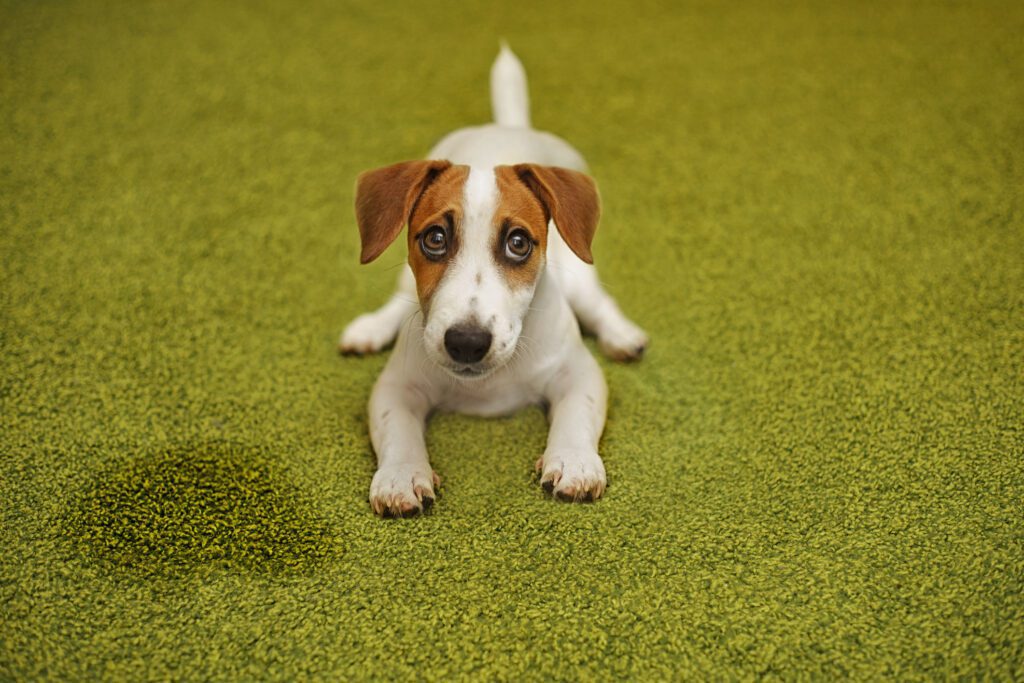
{"x":493,"y":326}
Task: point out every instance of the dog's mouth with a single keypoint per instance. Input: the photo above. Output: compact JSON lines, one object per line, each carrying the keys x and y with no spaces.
{"x":470,"y":371}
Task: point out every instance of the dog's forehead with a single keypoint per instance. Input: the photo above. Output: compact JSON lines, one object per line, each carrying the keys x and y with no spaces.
{"x":480,"y":197}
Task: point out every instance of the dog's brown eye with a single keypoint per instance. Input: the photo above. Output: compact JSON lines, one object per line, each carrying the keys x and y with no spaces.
{"x":434,"y":242}
{"x":518,"y":245}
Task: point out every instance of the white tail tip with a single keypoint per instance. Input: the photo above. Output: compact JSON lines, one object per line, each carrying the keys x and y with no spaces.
{"x":510,"y":98}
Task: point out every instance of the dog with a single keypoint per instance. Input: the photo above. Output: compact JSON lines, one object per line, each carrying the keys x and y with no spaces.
{"x":488,"y":311}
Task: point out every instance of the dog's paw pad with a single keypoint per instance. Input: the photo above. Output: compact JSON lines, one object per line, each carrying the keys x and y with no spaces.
{"x":366,"y":334}
{"x":402,"y":491}
{"x":573,"y":475}
{"x":623,"y":342}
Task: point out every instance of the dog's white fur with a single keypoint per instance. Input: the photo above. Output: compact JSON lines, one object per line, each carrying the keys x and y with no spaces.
{"x":537,"y":355}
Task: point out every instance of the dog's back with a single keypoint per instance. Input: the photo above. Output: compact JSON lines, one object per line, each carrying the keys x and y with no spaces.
{"x":510,"y":139}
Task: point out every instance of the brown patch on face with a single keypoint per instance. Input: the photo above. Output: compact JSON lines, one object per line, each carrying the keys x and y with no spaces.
{"x":518,"y":207}
{"x":440,"y":204}
{"x":571,"y":200}
{"x":384,"y":200}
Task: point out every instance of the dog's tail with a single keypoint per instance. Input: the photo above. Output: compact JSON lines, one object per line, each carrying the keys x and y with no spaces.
{"x":510,"y":99}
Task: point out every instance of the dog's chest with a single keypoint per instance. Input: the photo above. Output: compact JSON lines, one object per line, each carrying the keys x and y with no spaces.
{"x":490,"y":399}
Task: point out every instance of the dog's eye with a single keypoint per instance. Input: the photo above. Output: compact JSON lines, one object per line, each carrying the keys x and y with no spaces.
{"x":434,"y":242}
{"x":518,"y":245}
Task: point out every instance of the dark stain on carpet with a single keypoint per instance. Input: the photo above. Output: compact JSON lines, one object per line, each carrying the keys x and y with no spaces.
{"x":216,"y":504}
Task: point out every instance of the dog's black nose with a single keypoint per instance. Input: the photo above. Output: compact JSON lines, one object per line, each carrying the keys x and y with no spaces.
{"x":466,"y":343}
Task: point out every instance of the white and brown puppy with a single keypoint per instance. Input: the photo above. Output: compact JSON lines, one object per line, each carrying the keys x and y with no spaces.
{"x":486,"y":313}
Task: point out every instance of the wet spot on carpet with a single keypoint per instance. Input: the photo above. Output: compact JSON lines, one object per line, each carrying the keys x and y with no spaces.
{"x":219,"y":504}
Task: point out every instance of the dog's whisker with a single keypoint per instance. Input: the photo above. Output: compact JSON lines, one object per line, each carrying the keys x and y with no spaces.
{"x":406,"y":325}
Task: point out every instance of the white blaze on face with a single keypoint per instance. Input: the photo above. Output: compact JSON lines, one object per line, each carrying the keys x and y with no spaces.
{"x":474,"y":290}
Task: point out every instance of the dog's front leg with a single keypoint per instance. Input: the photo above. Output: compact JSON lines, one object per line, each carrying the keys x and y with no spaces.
{"x":570,"y":467}
{"x":404,"y":482}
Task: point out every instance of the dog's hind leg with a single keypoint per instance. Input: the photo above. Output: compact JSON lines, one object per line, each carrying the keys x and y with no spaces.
{"x":373,"y":331}
{"x":619,"y":337}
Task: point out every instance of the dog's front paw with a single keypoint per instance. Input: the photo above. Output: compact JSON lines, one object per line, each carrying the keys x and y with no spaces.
{"x":572,"y":474}
{"x":623,"y":341}
{"x":366,"y":334}
{"x":403,"y":490}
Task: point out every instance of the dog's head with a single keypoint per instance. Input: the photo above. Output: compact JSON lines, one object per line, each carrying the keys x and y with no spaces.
{"x":477,"y":246}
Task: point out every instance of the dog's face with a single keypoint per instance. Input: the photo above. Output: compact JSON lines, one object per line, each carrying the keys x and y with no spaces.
{"x":477,"y":246}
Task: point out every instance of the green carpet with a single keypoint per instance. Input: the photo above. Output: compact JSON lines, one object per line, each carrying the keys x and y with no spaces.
{"x":817,"y":471}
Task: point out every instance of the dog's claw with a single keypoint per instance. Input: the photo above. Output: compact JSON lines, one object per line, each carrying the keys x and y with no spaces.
{"x":400,"y":514}
{"x":425,"y":496}
{"x":402,"y":511}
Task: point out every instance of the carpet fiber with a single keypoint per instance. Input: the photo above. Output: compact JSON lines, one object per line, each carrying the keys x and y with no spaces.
{"x":817,"y":471}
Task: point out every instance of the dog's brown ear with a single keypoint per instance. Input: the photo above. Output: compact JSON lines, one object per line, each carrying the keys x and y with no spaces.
{"x":571,"y":200}
{"x":385,"y":198}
